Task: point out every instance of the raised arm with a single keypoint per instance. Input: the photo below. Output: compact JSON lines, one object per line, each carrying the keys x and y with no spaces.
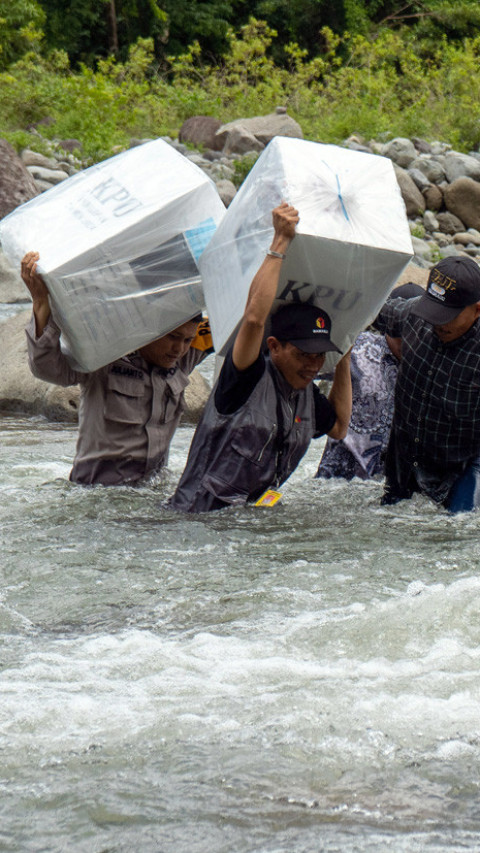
{"x":341,"y":397}
{"x":45,"y":357}
{"x":38,"y":290}
{"x":263,"y":289}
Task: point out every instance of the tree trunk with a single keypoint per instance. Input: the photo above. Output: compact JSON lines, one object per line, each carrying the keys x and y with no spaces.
{"x":112,"y":28}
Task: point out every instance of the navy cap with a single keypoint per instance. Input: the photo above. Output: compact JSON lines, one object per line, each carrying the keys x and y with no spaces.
{"x":305,"y":326}
{"x":453,"y":284}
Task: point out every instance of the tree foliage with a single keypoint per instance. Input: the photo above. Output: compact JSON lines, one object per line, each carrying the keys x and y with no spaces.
{"x":21,"y":23}
{"x":91,"y":29}
{"x":378,"y":77}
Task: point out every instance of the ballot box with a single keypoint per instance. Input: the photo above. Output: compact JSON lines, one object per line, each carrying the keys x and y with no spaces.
{"x":352,"y":241}
{"x":119,"y":246}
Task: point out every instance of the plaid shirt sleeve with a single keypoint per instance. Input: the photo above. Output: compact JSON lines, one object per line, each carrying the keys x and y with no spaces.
{"x":391,"y":319}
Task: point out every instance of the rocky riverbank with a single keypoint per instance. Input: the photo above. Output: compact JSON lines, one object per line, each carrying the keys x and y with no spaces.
{"x":440,"y":188}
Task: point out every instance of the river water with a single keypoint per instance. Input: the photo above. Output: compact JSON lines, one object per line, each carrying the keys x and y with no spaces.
{"x":289,"y":680}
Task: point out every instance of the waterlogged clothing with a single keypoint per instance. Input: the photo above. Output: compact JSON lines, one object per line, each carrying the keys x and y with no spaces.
{"x":129,"y":410}
{"x":253,"y":433}
{"x":435,"y":433}
{"x":361,"y":453}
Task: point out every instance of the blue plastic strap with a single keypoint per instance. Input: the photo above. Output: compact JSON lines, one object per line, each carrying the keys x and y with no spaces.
{"x":339,"y":191}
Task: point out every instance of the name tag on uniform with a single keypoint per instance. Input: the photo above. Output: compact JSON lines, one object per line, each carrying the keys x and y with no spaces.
{"x":269,"y":498}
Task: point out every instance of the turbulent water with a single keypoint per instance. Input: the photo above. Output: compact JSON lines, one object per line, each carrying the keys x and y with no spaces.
{"x":289,"y":680}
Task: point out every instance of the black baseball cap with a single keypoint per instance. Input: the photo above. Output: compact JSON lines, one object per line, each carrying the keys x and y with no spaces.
{"x":305,"y":326}
{"x":409,"y":290}
{"x":453,"y":284}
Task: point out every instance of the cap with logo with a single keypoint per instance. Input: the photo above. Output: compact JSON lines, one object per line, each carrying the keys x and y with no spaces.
{"x":453,"y":284}
{"x":305,"y":326}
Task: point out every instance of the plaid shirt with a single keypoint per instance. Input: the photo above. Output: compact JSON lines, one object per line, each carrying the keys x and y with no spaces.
{"x":436,"y":423}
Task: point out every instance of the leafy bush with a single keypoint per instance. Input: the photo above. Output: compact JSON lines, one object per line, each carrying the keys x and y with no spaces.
{"x":390,"y":85}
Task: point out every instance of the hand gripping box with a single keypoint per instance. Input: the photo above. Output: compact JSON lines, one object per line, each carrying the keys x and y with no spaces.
{"x":351,"y":244}
{"x":119,"y":245}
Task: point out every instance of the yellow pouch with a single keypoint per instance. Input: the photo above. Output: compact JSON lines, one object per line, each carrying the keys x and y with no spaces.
{"x":269,"y":498}
{"x":203,"y":339}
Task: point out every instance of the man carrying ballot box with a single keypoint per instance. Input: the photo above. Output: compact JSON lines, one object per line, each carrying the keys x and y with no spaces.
{"x":264,"y":410}
{"x":130,"y":409}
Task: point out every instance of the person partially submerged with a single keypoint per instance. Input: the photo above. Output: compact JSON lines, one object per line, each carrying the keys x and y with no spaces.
{"x":265,"y":409}
{"x":434,"y":445}
{"x":374,"y":368}
{"x":129,"y":409}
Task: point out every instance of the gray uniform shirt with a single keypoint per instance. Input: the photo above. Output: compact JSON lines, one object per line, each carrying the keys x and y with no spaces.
{"x":129,"y":409}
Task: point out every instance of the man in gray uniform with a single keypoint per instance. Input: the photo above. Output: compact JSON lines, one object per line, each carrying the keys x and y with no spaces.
{"x":264,"y":411}
{"x":129,"y":409}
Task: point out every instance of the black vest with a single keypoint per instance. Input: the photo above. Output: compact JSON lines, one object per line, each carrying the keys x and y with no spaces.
{"x":235,"y":458}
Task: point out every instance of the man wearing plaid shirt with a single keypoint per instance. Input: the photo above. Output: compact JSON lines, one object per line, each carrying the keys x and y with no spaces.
{"x":434,"y":445}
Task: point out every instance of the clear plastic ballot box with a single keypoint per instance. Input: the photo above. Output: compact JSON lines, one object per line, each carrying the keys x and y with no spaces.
{"x":119,"y":245}
{"x":352,"y":241}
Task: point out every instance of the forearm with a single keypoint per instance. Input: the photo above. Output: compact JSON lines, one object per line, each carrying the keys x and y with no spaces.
{"x":340,"y":398}
{"x":41,"y":313}
{"x":263,"y":289}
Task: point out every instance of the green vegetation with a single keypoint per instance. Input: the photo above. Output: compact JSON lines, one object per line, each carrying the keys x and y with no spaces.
{"x":104,"y":71}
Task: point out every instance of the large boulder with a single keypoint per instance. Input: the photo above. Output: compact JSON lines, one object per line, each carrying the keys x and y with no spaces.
{"x":413,"y":198}
{"x":462,"y":197}
{"x":196,"y":395}
{"x":227,"y":191}
{"x":401,"y":151}
{"x":449,"y":223}
{"x":433,"y":196}
{"x":22,"y":392}
{"x":200,"y":131}
{"x":459,"y":165}
{"x":240,"y":140}
{"x":19,"y":390}
{"x":431,"y":167}
{"x":262,"y":128}
{"x":16,"y":184}
{"x":12,"y":288}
